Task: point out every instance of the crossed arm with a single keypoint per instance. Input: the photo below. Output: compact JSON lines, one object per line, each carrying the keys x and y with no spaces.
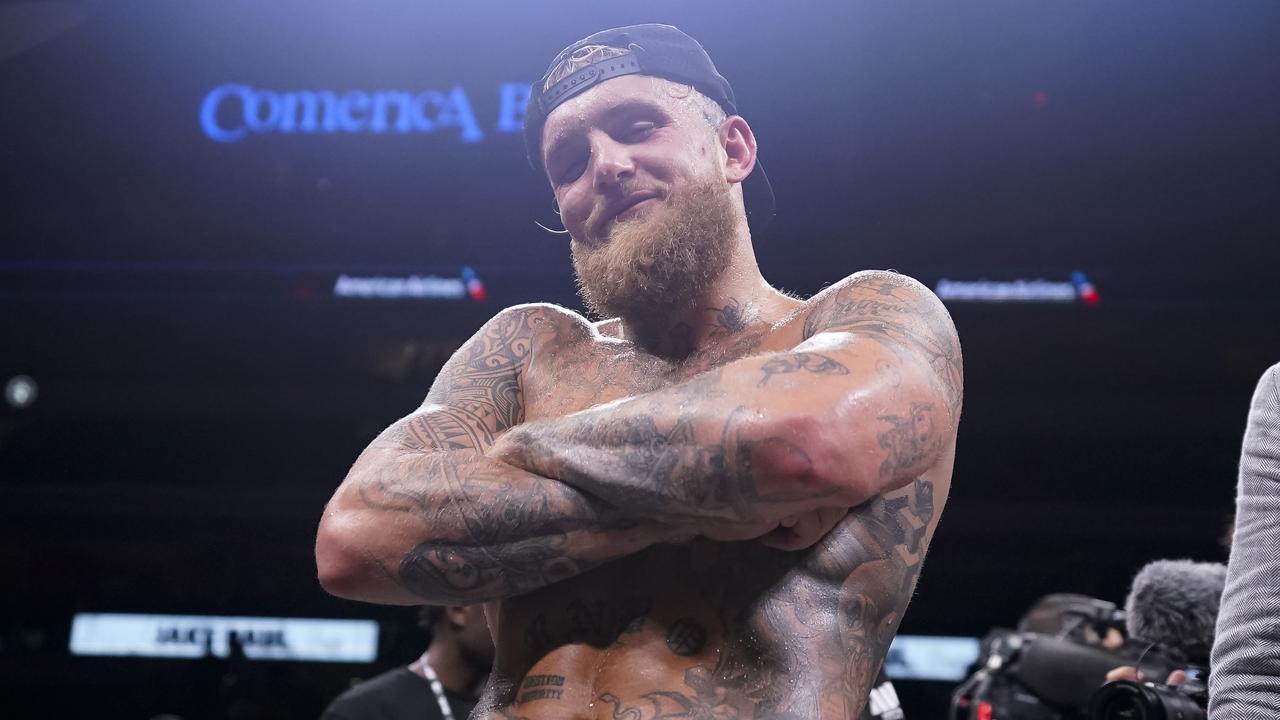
{"x":462,"y":501}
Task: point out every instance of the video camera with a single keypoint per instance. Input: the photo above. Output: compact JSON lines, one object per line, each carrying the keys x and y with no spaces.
{"x":1052,"y":666}
{"x":1125,"y":700}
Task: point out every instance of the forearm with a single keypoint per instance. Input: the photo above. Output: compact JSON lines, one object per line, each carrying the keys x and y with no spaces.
{"x":745,"y":443}
{"x":454,"y":527}
{"x":424,"y":516}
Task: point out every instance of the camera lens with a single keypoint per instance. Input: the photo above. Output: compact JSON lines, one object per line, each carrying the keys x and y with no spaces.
{"x":1123,"y":701}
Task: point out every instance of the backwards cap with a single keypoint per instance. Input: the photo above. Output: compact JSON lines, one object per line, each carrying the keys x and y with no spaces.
{"x":656,"y":50}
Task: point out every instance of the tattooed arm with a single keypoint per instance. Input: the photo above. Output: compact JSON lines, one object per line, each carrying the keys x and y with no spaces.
{"x":825,"y":628}
{"x":866,"y":403}
{"x":424,"y":516}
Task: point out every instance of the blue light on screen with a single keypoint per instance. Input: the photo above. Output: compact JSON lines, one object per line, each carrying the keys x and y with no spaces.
{"x":931,"y":657}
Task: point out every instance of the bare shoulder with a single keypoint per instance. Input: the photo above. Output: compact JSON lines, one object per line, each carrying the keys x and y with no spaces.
{"x":532,"y":324}
{"x":503,"y":348}
{"x":874,"y":294}
{"x":541,"y":317}
{"x":895,"y":310}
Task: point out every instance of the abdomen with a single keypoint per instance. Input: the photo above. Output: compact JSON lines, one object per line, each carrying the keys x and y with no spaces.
{"x":702,"y":630}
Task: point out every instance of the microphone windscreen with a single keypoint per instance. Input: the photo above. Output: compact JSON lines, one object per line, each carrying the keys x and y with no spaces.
{"x":1175,"y":603}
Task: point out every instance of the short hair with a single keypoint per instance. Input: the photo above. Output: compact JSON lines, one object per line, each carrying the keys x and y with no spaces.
{"x":429,"y":615}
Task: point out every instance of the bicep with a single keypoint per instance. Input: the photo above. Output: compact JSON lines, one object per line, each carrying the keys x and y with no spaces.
{"x":878,"y":375}
{"x":903,"y":317}
{"x":478,"y":393}
{"x":475,"y":397}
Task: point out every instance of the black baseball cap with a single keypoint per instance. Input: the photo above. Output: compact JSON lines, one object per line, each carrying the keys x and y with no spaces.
{"x":657,"y":50}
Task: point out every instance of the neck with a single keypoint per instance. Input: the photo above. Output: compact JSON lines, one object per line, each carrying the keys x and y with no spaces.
{"x":738,"y":301}
{"x":451,"y":666}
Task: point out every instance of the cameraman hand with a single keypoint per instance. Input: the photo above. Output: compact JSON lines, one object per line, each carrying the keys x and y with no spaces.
{"x":1130,"y":673}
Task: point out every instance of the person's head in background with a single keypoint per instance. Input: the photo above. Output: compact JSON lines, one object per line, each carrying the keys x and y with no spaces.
{"x":460,"y":650}
{"x":1061,"y":613}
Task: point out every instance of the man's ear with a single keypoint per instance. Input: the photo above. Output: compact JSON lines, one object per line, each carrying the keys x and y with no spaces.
{"x":456,"y":615}
{"x":739,"y":145}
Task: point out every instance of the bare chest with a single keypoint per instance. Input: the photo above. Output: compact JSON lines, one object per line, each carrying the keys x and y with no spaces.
{"x":580,"y":375}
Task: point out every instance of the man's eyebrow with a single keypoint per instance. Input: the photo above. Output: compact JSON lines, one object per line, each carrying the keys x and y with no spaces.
{"x":608,"y":115}
{"x":633,"y":105}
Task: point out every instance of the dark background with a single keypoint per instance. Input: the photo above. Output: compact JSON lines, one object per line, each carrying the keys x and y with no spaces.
{"x":201,"y":391}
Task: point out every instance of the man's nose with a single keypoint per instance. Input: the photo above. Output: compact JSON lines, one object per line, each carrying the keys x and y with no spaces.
{"x":613,"y":164}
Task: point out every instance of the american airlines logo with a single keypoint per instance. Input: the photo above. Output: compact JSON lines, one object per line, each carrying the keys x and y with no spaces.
{"x":413,"y":287}
{"x":1039,"y":290}
{"x":233,"y":112}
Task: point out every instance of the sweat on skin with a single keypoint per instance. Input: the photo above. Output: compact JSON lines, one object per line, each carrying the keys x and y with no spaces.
{"x":715,"y":503}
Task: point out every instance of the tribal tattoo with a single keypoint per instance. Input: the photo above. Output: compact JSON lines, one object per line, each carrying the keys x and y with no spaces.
{"x":495,"y":530}
{"x":498,"y":531}
{"x":810,"y":630}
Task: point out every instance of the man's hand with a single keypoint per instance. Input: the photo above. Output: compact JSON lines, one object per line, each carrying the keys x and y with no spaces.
{"x":802,"y":531}
{"x":797,"y":532}
{"x":1130,"y":673}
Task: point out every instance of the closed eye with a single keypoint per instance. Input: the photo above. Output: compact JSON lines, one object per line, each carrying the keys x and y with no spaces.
{"x":573,"y":167}
{"x":571,"y":170}
{"x":638,"y":131}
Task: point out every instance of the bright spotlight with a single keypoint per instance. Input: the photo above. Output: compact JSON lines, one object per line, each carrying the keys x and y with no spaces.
{"x":20,"y":391}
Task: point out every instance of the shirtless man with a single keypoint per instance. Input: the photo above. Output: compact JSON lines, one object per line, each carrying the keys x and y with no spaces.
{"x":714,"y":504}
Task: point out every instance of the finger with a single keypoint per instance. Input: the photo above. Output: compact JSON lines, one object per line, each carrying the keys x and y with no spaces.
{"x":808,"y":525}
{"x":1177,"y":677}
{"x":1127,"y":672}
{"x":804,"y":535}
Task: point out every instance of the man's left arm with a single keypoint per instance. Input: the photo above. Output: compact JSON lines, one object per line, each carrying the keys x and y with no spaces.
{"x":865,"y":404}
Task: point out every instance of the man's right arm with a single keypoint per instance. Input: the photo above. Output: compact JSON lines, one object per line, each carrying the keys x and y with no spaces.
{"x":424,"y":517}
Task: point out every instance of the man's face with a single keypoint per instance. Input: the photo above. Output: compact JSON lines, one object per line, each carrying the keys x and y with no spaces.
{"x":473,"y":635}
{"x":616,"y":152}
{"x":638,"y":173}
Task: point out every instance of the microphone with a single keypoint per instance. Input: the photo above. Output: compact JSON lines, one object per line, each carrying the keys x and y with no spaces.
{"x":1174,"y":603}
